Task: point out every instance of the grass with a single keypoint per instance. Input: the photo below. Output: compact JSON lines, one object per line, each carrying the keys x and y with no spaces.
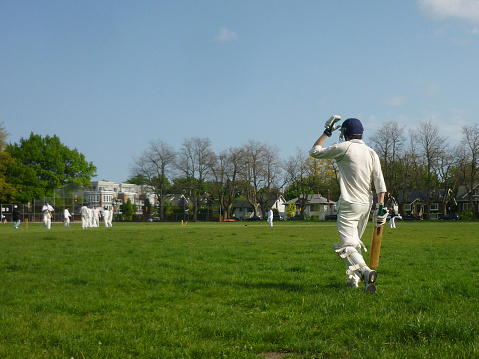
{"x":226,"y":290}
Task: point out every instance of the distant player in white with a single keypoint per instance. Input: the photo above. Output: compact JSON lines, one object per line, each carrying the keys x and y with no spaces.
{"x":358,"y":167}
{"x":96,"y":216}
{"x":47,"y":215}
{"x":106,"y":216}
{"x":66,"y":217}
{"x":90,"y":217}
{"x":112,"y":213}
{"x":84,"y":216}
{"x":270,"y":217}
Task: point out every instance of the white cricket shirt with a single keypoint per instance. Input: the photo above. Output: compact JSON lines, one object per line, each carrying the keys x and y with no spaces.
{"x":358,"y":167}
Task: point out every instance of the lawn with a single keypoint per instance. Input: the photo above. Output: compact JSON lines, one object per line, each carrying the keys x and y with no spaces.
{"x":230,"y":290}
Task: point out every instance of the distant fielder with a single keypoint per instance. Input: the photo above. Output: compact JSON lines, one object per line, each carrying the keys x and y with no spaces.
{"x":270,"y":217}
{"x":358,"y":167}
{"x":84,"y":216}
{"x":66,"y":217}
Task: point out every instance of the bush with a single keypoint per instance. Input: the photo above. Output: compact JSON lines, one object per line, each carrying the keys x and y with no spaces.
{"x":466,"y":216}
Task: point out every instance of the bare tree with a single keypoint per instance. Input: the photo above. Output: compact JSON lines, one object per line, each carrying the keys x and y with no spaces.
{"x":252,"y":172}
{"x":468,"y":162}
{"x":432,"y":148}
{"x":226,"y":172}
{"x":388,"y":142}
{"x":270,"y":176}
{"x":195,"y":161}
{"x":307,"y":175}
{"x":155,"y":164}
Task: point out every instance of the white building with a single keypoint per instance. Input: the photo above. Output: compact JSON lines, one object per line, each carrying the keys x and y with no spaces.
{"x":109,"y":195}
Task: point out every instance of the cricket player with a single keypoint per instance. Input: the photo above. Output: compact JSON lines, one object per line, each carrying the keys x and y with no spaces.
{"x":110,"y":219}
{"x":95,"y":216}
{"x":84,"y":216}
{"x":358,"y":166}
{"x":66,"y":217}
{"x":106,"y":216}
{"x":47,"y":215}
{"x":270,"y":217}
{"x":16,"y":217}
{"x":90,"y":217}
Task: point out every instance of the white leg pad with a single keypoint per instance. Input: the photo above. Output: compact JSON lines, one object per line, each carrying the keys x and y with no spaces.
{"x":355,"y":263}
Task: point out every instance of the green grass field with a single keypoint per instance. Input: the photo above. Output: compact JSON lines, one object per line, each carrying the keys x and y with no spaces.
{"x":226,"y":290}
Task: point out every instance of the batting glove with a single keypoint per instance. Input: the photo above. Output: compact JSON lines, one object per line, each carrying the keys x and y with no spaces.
{"x":331,"y":126}
{"x":380,"y":215}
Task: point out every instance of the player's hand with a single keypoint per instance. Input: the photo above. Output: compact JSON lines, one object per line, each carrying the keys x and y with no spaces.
{"x":331,"y":126}
{"x":380,"y":215}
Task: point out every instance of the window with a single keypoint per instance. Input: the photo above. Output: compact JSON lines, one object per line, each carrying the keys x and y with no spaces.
{"x":465,"y":206}
{"x":434,"y":207}
{"x":407,"y":207}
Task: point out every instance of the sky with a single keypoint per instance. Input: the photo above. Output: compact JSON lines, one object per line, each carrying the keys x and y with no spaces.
{"x":109,"y":77}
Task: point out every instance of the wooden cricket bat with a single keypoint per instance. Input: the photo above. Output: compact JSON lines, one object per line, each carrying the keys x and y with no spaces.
{"x":375,"y":247}
{"x":376,"y":242}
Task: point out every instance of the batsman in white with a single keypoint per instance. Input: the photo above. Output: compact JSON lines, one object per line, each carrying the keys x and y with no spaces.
{"x":358,"y":166}
{"x":47,"y":215}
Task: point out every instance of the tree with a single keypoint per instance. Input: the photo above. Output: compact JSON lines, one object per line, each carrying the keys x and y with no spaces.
{"x":269,"y":176}
{"x":153,"y":166}
{"x":42,"y":164}
{"x":226,"y":184}
{"x":432,"y":148}
{"x":252,"y":172}
{"x":196,"y":160}
{"x":306,"y":175}
{"x":388,"y":142}
{"x":468,"y":162}
{"x":7,"y":190}
{"x":128,"y":209}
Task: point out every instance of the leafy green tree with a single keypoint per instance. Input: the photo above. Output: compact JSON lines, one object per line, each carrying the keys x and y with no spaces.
{"x":7,"y":190}
{"x":128,"y":209}
{"x":42,"y":164}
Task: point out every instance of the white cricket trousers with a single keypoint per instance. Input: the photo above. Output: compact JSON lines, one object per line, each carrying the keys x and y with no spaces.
{"x":84,"y":221}
{"x":352,"y":222}
{"x":47,"y":221}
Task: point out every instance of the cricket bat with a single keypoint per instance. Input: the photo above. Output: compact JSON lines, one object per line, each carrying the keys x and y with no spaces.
{"x":376,"y":243}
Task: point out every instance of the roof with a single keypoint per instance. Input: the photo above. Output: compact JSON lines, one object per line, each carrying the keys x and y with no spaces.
{"x":312,"y":199}
{"x":462,"y":192}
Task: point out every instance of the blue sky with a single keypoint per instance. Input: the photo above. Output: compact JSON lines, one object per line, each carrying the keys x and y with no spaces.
{"x":108,"y":77}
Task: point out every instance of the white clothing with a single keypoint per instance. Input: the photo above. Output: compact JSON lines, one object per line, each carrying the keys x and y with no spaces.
{"x":84,"y":217}
{"x":106,"y":217}
{"x":270,"y":218}
{"x":112,"y":213}
{"x":47,"y":216}
{"x":66,"y":217}
{"x":95,"y":217}
{"x":90,"y":217}
{"x":358,"y":167}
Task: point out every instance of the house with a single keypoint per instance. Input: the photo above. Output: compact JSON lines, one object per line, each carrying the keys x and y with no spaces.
{"x":316,"y":205}
{"x":462,"y":197}
{"x":242,"y":209}
{"x":416,"y":204}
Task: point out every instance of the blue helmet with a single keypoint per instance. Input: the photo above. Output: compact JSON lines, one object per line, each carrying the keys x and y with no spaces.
{"x":350,"y":127}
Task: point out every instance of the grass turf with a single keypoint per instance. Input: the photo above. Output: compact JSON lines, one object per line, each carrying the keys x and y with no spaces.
{"x":230,"y":290}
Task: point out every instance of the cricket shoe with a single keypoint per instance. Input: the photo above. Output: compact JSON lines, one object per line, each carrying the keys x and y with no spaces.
{"x":369,"y":279}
